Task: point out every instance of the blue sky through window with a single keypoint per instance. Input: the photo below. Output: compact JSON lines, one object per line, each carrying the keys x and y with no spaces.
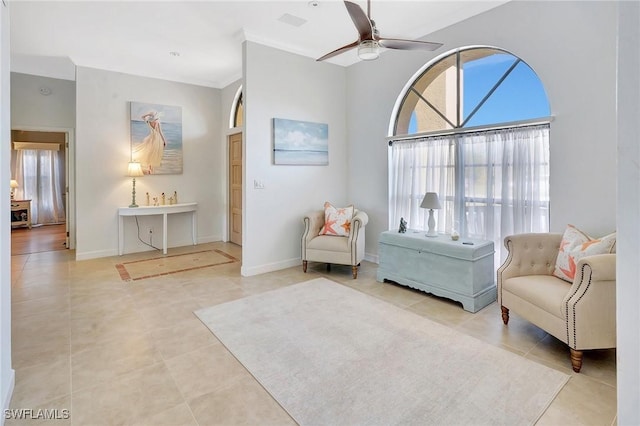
{"x":519,"y":97}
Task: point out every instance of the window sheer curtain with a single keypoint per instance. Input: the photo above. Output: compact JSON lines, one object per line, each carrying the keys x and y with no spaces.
{"x":40,"y":176}
{"x":490,"y":183}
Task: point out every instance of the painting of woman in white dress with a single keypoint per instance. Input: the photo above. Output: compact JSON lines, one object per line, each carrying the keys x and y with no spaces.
{"x":156,"y":138}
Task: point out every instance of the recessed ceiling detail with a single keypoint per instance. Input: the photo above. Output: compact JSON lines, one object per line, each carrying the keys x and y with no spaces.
{"x":296,"y":21}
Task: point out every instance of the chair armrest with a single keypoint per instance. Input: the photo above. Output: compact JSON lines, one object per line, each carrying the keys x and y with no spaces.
{"x":358,"y":222}
{"x":356,"y":236}
{"x":590,"y":305}
{"x":360,"y":219}
{"x":313,"y":221}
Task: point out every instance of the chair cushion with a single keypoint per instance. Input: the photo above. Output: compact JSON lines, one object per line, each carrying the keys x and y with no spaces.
{"x":337,"y":220}
{"x":543,"y":291}
{"x":329,"y":243}
{"x":574,"y":246}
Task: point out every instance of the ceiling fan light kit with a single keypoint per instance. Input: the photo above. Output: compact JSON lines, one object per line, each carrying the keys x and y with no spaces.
{"x":369,"y":50}
{"x":369,"y":40}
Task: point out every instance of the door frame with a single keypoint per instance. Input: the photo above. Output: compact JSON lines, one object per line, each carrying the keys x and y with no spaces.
{"x":70,"y":175}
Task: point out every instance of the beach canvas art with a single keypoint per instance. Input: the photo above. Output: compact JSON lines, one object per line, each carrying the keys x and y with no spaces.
{"x":156,"y":138}
{"x":300,"y":142}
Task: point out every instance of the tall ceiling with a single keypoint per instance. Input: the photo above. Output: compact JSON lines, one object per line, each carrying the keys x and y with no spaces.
{"x":200,"y":42}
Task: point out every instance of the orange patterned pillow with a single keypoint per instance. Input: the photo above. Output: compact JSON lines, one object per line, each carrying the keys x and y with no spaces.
{"x":574,"y":246}
{"x":337,"y":220}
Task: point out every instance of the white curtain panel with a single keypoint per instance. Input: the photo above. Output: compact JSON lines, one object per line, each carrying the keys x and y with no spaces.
{"x":40,"y":176}
{"x":490,"y":183}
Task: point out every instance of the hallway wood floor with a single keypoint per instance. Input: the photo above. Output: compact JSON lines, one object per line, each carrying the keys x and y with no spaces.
{"x":38,"y":239}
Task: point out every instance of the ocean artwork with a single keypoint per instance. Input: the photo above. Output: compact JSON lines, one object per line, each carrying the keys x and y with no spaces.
{"x":300,"y":143}
{"x":156,"y":138}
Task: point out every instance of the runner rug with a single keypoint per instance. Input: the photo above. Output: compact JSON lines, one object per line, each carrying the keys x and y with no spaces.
{"x":331,"y":355}
{"x":165,"y":265}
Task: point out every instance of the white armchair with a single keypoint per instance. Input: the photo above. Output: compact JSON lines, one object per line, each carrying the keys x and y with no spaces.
{"x":581,"y":314}
{"x":331,"y":249}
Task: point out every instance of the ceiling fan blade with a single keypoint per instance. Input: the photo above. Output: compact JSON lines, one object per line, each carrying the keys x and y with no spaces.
{"x":394,"y":43}
{"x":360,"y":20}
{"x":339,"y":51}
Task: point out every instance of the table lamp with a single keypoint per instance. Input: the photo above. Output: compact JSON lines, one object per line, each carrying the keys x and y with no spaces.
{"x":134,"y":171}
{"x":13,"y":185}
{"x":431,"y":202}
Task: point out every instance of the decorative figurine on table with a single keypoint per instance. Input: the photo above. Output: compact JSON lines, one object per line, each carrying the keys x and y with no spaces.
{"x":163,"y":198}
{"x":155,"y":201}
{"x":147,"y":198}
{"x":403,"y":226}
{"x":171,"y":200}
{"x":455,"y":235}
{"x":175,"y":197}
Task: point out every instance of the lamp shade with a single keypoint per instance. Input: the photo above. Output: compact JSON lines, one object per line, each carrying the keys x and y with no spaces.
{"x":135,"y":169}
{"x":368,"y":50}
{"x":430,"y":201}
{"x":13,"y":183}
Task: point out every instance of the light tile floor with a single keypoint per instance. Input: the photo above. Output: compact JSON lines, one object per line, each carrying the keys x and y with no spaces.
{"x":133,"y":353}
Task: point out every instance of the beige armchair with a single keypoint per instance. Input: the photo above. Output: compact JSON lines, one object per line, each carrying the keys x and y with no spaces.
{"x":582,"y":314}
{"x":331,"y":249}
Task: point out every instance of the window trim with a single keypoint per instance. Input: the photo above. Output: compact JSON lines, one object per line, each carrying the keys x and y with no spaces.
{"x":497,"y":126}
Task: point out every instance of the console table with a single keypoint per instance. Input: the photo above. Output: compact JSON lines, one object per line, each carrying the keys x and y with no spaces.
{"x":157,"y":210}
{"x":21,"y":213}
{"x":460,"y":270}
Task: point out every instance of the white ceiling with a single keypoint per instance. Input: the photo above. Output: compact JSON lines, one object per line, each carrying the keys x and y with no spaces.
{"x":48,"y":37}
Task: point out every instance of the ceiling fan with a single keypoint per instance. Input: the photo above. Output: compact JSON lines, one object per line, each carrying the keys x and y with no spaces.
{"x":369,"y":40}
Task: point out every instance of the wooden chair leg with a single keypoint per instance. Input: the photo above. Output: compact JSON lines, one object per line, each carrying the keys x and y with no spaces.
{"x":576,"y":359}
{"x":304,"y":266}
{"x":505,"y":314}
{"x":354,"y":270}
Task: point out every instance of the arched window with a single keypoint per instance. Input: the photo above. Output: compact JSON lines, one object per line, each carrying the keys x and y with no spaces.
{"x":473,"y":126}
{"x":471,"y":87}
{"x":238,"y":110}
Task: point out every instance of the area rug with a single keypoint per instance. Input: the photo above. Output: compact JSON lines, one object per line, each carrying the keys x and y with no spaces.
{"x":331,"y":355}
{"x":148,"y":268}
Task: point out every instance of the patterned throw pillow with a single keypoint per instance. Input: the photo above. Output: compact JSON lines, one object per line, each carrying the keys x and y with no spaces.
{"x":337,"y":220}
{"x":574,"y":246}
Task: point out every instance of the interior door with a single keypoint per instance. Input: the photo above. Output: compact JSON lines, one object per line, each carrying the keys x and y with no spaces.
{"x":235,"y":188}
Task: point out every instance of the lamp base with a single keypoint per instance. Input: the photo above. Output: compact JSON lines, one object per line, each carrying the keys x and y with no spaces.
{"x":133,"y":195}
{"x":432,"y":225}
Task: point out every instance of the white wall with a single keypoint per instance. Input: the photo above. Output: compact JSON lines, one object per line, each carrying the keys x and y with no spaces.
{"x":7,"y":374}
{"x":283,"y":85}
{"x":628,"y":268}
{"x":103,"y":151}
{"x":571,"y":46}
{"x":32,"y":109}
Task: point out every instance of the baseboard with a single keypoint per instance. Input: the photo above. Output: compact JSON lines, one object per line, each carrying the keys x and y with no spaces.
{"x":139,"y":249}
{"x":269,"y":267}
{"x":95,"y":254}
{"x":209,"y":239}
{"x":371,"y":258}
{"x":8,"y":395}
